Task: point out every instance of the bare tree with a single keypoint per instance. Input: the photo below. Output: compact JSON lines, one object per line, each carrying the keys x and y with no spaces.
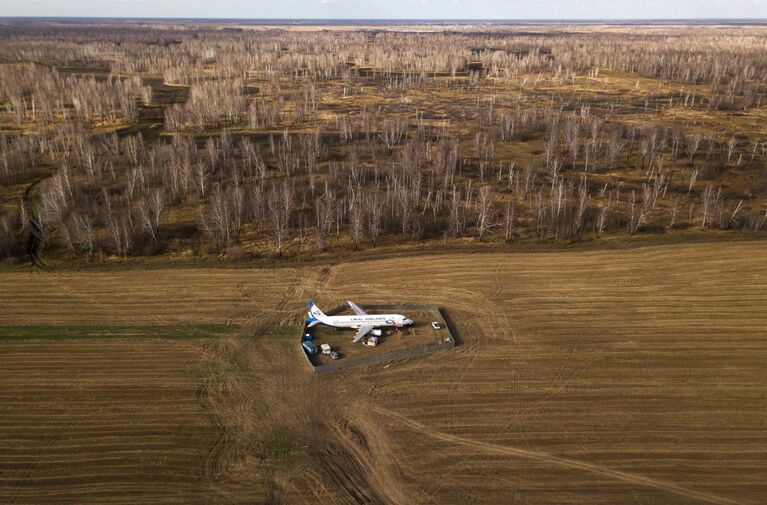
{"x":376,"y":207}
{"x":693,"y":144}
{"x":485,"y":202}
{"x":356,"y":217}
{"x":511,"y":208}
{"x":281,"y":203}
{"x":709,"y":201}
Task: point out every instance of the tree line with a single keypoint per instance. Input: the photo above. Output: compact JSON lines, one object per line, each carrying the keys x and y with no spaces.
{"x":262,"y":150}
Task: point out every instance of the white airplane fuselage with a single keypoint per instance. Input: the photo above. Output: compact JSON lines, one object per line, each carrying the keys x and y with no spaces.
{"x":361,"y":321}
{"x":376,"y":320}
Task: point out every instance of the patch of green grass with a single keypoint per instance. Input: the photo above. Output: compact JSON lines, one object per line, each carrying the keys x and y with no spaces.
{"x":293,"y":330}
{"x":164,"y":331}
{"x":284,"y":444}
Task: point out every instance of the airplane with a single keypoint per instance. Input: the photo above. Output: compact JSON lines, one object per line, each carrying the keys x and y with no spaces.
{"x":363,"y":322}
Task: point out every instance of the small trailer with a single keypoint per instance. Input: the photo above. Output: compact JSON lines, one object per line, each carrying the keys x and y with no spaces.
{"x":326,"y":349}
{"x":372,"y":341}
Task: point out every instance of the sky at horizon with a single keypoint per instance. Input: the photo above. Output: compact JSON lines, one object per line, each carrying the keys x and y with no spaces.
{"x":392,"y":9}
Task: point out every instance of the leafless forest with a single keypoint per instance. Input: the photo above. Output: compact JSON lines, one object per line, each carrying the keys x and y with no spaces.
{"x":198,"y":139}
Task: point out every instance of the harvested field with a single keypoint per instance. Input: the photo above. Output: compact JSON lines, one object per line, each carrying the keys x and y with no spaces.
{"x":631,"y":376}
{"x":102,"y":421}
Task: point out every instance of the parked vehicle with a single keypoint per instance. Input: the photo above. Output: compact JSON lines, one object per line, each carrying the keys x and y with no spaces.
{"x":334,"y":355}
{"x":436,"y":325}
{"x":326,"y":349}
{"x":310,"y":348}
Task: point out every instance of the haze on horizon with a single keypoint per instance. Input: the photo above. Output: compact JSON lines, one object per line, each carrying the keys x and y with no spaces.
{"x":391,"y":9}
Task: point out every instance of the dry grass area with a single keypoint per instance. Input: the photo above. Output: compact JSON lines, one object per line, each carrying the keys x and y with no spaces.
{"x":631,"y":376}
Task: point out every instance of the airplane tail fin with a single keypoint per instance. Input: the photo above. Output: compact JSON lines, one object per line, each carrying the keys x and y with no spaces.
{"x":315,"y":312}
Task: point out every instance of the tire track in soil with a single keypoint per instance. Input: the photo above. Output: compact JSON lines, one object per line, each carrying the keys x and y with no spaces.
{"x":489,"y":311}
{"x":474,"y":339}
{"x":260,"y":317}
{"x":321,"y":283}
{"x":344,"y":458}
{"x":561,"y":381}
{"x":231,"y":393}
{"x":255,"y":320}
{"x":324,"y":285}
{"x":215,"y":463}
{"x":24,"y":480}
{"x":502,"y":450}
{"x":372,"y":447}
{"x":347,"y":473}
{"x":497,"y":278}
{"x":240,"y":312}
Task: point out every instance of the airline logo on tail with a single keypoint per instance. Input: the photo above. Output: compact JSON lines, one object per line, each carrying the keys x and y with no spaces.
{"x":315,"y":314}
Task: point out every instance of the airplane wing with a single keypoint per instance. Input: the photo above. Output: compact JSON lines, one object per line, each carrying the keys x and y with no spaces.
{"x":357,"y":310}
{"x":361,"y":333}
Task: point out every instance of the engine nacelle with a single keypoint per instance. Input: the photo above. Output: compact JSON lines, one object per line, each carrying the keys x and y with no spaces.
{"x":376,"y":333}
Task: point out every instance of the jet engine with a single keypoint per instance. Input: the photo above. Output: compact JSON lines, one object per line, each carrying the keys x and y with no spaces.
{"x":376,"y":333}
